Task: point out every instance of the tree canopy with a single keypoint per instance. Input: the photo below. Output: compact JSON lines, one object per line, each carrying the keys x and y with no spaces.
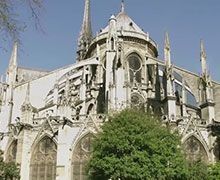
{"x":134,"y":145}
{"x":8,"y":170}
{"x":214,"y":171}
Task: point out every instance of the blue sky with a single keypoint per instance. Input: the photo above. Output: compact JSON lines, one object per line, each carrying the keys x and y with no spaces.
{"x":187,"y":21}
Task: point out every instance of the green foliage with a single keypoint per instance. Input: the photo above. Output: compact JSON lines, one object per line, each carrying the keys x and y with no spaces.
{"x":214,"y":171}
{"x":198,"y":171}
{"x":8,"y":170}
{"x":133,"y":145}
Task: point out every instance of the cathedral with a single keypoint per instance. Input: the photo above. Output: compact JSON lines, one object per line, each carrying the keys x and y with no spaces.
{"x":49,"y":118}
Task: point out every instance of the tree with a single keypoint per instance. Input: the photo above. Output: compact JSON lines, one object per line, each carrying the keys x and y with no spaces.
{"x":214,"y":171}
{"x":11,"y":23}
{"x":133,"y":145}
{"x":198,"y":170}
{"x":8,"y":170}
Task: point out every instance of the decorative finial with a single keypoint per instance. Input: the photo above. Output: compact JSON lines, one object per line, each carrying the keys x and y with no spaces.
{"x":122,"y":6}
{"x":167,"y":41}
{"x":202,"y":49}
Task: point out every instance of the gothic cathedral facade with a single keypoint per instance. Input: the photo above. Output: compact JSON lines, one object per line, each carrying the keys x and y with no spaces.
{"x":48,"y":119}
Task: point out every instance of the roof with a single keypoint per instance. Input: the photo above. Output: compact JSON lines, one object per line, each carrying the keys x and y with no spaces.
{"x":124,"y":22}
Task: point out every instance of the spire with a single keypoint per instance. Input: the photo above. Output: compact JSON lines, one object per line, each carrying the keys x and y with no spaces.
{"x":167,"y":50}
{"x":12,"y":67}
{"x":203,"y":58}
{"x":86,"y":31}
{"x":122,"y":6}
{"x":13,"y":59}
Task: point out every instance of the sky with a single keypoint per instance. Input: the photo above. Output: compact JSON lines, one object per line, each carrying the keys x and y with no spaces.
{"x":187,"y":21}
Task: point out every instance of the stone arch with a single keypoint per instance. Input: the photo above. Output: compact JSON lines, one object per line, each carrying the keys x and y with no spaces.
{"x":12,"y":151}
{"x":43,"y":159}
{"x":80,"y":156}
{"x":195,"y":149}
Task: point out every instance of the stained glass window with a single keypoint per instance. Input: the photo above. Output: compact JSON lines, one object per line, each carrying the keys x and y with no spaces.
{"x":81,"y":157}
{"x":195,"y":150}
{"x":43,"y":160}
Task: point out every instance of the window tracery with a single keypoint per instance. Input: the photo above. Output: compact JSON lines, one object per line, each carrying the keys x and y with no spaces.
{"x":135,"y":66}
{"x":43,"y":161}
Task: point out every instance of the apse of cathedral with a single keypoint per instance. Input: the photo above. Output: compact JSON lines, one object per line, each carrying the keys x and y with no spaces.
{"x":48,"y":119}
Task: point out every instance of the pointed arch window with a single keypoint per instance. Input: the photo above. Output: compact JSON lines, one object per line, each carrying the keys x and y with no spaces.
{"x":81,"y":157}
{"x":12,"y":152}
{"x":194,"y":150}
{"x":135,"y":66}
{"x":43,"y":160}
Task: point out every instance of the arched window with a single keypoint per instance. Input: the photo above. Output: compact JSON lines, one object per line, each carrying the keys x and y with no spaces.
{"x":81,"y":155}
{"x":134,"y":64}
{"x":43,"y":160}
{"x":12,"y":151}
{"x":194,"y":150}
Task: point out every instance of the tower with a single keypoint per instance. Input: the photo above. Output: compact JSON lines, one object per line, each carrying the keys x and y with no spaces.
{"x":85,"y":36}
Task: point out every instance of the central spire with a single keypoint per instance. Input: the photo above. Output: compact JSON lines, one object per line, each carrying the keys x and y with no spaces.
{"x":85,"y":35}
{"x":86,"y":25}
